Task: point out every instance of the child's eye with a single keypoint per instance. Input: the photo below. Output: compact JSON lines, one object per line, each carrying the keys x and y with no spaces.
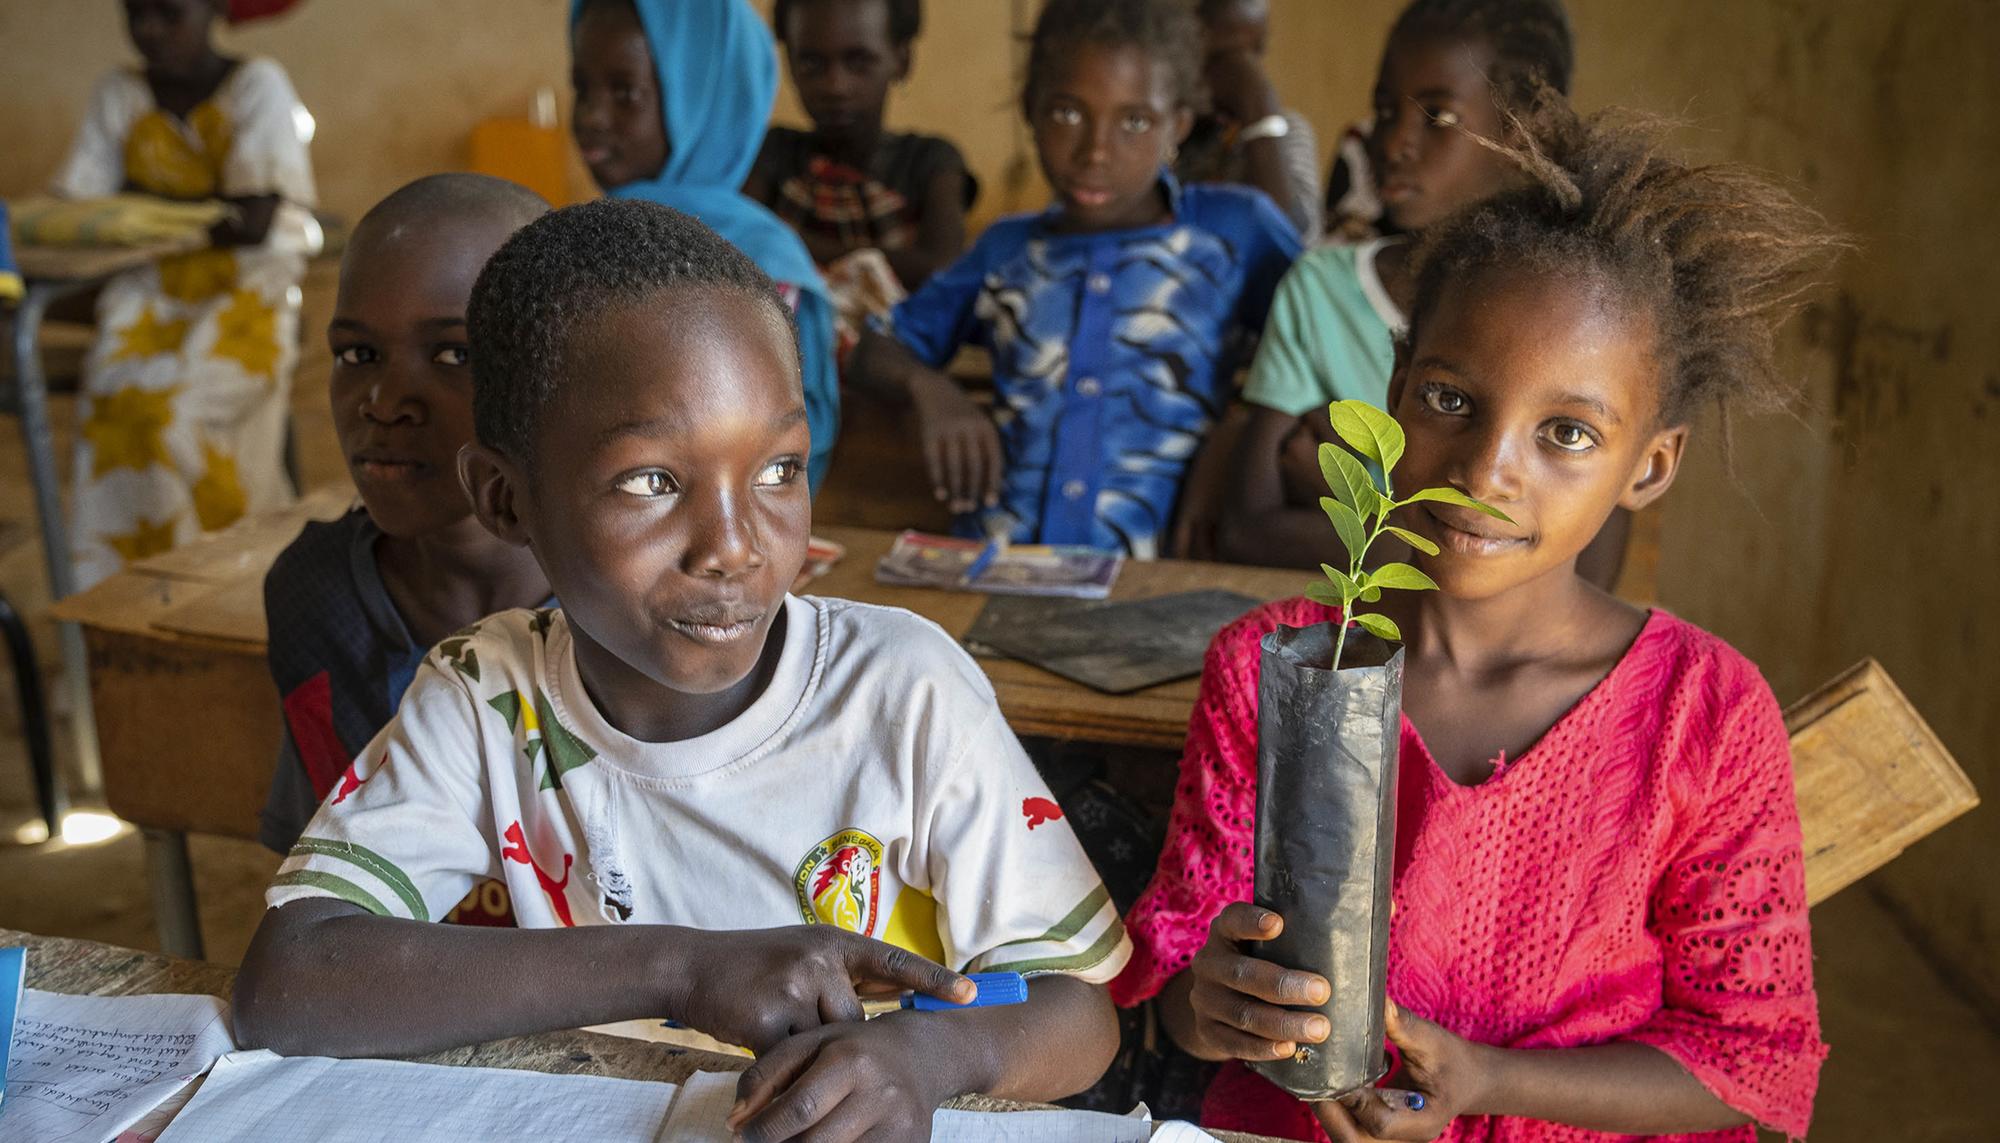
{"x":1442,"y":117}
{"x":779,"y":473}
{"x":649,"y":483}
{"x":451,"y":355}
{"x":1450,"y":402}
{"x":1138,"y":124}
{"x":1065,"y":116}
{"x":1570,"y":437}
{"x":355,"y":355}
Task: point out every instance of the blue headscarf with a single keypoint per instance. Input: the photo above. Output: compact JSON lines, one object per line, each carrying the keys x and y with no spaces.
{"x":718,"y":75}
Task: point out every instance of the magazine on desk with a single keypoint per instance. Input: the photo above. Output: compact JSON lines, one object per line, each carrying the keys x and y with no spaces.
{"x":922,"y":560}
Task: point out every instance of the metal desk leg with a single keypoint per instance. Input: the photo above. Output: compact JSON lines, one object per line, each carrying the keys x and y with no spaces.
{"x":172,"y":879}
{"x":32,"y":393}
{"x":34,"y":717}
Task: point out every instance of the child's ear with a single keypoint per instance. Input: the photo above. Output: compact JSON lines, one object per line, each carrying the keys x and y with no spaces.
{"x":1183,"y":124}
{"x":1657,"y":467}
{"x":905,"y":52}
{"x":495,"y":485}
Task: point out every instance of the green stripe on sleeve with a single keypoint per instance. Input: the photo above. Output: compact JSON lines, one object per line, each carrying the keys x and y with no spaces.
{"x":1079,"y":962}
{"x":340,"y":887}
{"x":1071,"y":924}
{"x":372,"y":863}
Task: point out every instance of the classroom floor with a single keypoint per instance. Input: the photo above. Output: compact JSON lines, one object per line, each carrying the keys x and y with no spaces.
{"x":1911,"y":1060}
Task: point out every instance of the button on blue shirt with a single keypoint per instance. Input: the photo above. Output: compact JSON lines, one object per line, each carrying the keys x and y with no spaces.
{"x":1113,"y":353}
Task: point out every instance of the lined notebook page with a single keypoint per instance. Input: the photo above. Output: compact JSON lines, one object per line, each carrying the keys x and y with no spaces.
{"x":701,"y":1111}
{"x":253,"y":1097}
{"x":84,"y":1068}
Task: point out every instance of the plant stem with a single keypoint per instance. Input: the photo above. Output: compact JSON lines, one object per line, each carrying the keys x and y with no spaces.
{"x":1355,"y":560}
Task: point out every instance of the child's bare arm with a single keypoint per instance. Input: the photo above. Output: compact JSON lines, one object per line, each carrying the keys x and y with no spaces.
{"x":1621,"y":1087}
{"x":251,"y":223}
{"x":324,"y":977}
{"x":882,"y":1079}
{"x":1258,"y":527}
{"x":941,"y":235}
{"x":961,"y":447}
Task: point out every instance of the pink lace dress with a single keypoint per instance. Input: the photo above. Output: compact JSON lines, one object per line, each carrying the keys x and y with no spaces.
{"x":1636,"y":875}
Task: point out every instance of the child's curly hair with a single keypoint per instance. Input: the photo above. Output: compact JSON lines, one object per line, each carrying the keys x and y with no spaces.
{"x":1167,"y":30}
{"x":1531,"y":40}
{"x":1719,"y":254}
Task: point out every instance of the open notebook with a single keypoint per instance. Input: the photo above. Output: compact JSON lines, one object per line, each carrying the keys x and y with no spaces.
{"x":256,"y":1096}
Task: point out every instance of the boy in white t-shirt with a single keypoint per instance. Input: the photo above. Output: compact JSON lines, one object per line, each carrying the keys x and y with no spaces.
{"x":747,"y":809}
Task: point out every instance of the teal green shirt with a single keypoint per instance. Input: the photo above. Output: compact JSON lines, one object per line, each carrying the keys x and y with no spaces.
{"x":1331,"y":335}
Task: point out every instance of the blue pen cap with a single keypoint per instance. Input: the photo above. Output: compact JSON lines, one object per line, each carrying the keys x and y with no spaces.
{"x":995,"y":989}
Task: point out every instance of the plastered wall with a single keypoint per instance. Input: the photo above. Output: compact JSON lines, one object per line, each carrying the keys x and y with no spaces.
{"x":1865,"y":526}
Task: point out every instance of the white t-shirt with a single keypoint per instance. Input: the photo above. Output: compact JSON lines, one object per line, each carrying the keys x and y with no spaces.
{"x":873,"y":785}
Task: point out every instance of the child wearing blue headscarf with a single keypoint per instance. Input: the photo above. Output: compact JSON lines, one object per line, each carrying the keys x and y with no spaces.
{"x":672,"y":99}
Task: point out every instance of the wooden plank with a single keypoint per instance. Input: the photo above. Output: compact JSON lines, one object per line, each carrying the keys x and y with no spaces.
{"x":1872,"y":778}
{"x":188,"y":729}
{"x":251,"y":545}
{"x":232,"y":611}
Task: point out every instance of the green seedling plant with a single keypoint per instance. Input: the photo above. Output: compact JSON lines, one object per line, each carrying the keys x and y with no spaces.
{"x":1359,"y":510}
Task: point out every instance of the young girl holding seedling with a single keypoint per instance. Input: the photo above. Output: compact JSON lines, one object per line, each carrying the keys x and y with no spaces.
{"x":1600,"y":912}
{"x":671,"y":101}
{"x":1116,"y":319}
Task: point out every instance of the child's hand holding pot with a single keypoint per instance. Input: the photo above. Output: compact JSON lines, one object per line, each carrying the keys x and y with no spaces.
{"x":1239,"y":1001}
{"x":1441,"y":1078}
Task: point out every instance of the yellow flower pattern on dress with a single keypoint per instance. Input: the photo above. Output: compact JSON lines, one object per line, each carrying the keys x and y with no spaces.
{"x":179,"y":160}
{"x":197,"y":277}
{"x":219,"y":499}
{"x":247,"y":333}
{"x":150,"y":336}
{"x":145,"y":539}
{"x":127,"y":429}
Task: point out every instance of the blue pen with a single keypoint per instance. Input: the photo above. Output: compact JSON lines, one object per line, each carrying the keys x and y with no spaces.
{"x":985,"y":559}
{"x":995,"y":989}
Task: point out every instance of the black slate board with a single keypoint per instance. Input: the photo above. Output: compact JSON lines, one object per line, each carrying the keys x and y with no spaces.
{"x":1116,"y":648}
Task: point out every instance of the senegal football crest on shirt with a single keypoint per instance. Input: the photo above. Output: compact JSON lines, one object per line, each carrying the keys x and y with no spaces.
{"x":840,"y":882}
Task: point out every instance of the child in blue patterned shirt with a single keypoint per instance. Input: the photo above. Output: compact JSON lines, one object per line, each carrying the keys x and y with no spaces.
{"x":1116,"y":320}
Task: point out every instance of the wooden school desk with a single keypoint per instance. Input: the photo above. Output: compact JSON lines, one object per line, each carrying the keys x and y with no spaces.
{"x":86,"y":968}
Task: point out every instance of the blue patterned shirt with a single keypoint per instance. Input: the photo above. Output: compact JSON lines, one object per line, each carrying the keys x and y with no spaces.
{"x":1113,"y":352}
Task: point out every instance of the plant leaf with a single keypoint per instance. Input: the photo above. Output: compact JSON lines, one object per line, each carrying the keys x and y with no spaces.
{"x":1414,"y":540}
{"x":1402,"y":577}
{"x":1454,"y":496}
{"x":1380,"y":626}
{"x":1347,"y":523}
{"x":1348,"y":588}
{"x":1368,"y":431}
{"x":1322,"y":592}
{"x":1346,"y":479}
{"x":1370,"y":590}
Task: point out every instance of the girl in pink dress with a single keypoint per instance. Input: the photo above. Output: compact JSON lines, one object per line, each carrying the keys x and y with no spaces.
{"x":1600,"y":914}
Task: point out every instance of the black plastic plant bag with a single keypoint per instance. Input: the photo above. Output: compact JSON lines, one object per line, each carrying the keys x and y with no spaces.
{"x":1326,"y":838}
